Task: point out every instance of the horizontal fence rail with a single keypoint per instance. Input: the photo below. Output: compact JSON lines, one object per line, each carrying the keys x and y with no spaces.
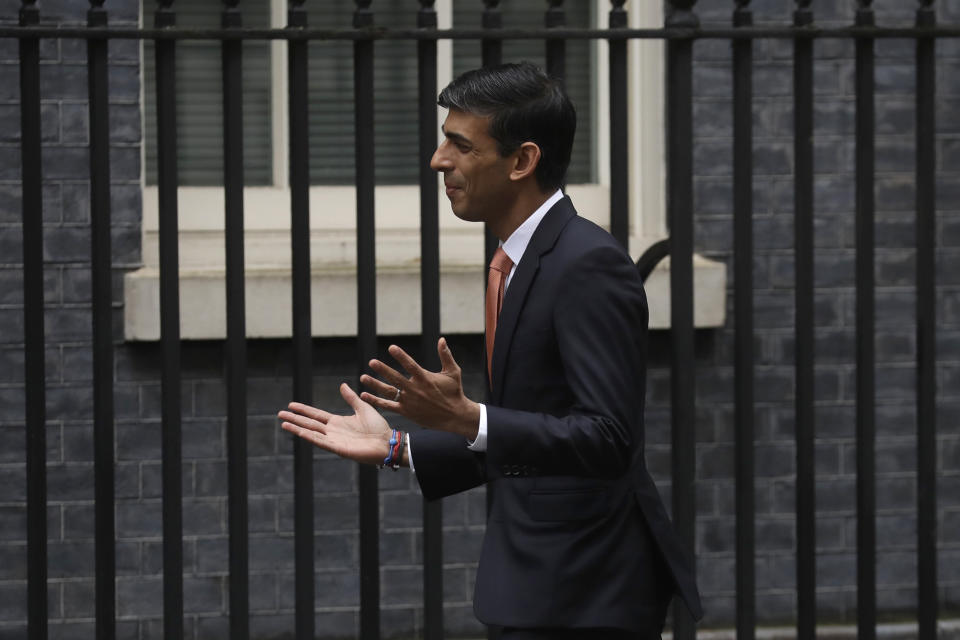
{"x":680,"y":34}
{"x":564,"y":33}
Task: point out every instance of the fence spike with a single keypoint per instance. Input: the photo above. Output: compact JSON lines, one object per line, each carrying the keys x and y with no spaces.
{"x":492,"y":18}
{"x":675,"y":5}
{"x":363,"y":16}
{"x":555,"y":15}
{"x":681,"y":14}
{"x":29,"y":13}
{"x":427,"y":15}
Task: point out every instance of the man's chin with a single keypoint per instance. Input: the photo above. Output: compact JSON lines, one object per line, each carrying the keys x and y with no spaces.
{"x":466,"y":216}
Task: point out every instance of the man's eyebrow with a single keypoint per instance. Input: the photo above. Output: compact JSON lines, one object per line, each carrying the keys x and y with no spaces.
{"x":456,"y":137}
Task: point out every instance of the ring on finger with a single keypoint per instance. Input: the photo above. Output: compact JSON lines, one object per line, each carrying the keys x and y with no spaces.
{"x":396,"y":398}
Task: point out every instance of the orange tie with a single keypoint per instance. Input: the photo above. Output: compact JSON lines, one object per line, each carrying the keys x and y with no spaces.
{"x":500,"y":266}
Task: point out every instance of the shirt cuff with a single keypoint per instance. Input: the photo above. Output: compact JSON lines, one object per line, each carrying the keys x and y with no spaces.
{"x":410,"y":453}
{"x":480,"y":444}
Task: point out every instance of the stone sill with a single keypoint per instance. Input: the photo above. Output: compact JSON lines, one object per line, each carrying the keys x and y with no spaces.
{"x":948,"y":629}
{"x":333,"y":300}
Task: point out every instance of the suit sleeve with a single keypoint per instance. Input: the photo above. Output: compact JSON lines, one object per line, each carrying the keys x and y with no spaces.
{"x":600,"y":323}
{"x":444,"y":465}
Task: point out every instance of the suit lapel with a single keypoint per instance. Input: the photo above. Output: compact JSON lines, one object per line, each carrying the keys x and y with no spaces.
{"x":543,"y":239}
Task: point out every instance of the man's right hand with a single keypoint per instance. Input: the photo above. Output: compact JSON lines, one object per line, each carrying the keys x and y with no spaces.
{"x":432,"y":399}
{"x":363,"y":436}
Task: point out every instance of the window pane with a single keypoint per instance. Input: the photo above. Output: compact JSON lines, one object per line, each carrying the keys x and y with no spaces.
{"x":579,"y":63}
{"x":331,"y":96}
{"x":331,"y":112}
{"x":200,"y":101}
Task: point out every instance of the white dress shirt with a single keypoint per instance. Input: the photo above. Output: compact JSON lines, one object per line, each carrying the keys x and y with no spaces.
{"x":514,"y":247}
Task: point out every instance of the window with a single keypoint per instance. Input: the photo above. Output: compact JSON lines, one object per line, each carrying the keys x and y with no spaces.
{"x":332,"y":196}
{"x":200,"y":102}
{"x":199,"y":108}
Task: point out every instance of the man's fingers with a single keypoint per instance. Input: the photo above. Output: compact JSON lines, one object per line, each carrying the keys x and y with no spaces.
{"x":380,"y":403}
{"x":301,"y":421}
{"x":306,"y":434}
{"x":379,"y":387}
{"x":446,"y":356}
{"x":388,"y":373}
{"x":406,"y":361}
{"x":351,"y":397}
{"x":311,"y":412}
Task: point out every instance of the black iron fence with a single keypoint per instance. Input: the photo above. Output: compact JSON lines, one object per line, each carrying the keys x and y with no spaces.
{"x":680,"y":32}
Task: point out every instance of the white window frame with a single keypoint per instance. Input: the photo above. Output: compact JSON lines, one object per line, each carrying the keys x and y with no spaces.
{"x":333,"y":242}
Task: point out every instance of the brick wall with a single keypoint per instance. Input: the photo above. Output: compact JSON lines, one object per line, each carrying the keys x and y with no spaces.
{"x":835,"y":374}
{"x":137,"y":386}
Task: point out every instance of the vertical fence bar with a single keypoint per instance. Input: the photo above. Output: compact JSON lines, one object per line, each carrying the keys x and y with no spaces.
{"x":556,"y":47}
{"x":366,"y":311}
{"x":680,"y":217}
{"x":236,"y":343}
{"x":165,"y":51}
{"x":304,"y":573}
{"x":866,"y":428}
{"x":429,"y":300}
{"x":492,"y":55}
{"x":743,"y":325}
{"x":806,"y":563}
{"x":34,"y":364}
{"x":491,"y":49}
{"x":619,"y":185}
{"x":926,"y":328}
{"x":99,"y":109}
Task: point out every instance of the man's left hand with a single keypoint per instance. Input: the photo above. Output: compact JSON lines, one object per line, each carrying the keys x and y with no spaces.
{"x":434,"y":400}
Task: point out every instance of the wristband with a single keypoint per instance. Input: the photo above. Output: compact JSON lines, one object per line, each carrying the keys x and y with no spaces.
{"x":398,"y":458}
{"x":393,"y":443}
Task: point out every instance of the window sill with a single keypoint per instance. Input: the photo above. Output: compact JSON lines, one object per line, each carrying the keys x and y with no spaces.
{"x":333,"y":258}
{"x":333,"y":299}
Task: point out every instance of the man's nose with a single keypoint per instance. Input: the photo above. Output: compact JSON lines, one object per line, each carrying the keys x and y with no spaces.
{"x":439,"y":161}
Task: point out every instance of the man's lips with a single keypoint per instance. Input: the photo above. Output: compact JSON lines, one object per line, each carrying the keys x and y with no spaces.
{"x":451,"y":189}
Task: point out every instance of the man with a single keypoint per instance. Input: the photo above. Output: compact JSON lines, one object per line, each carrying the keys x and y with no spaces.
{"x":577,"y":544}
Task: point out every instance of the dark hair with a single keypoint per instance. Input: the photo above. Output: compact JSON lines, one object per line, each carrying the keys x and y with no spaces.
{"x":524,"y":104}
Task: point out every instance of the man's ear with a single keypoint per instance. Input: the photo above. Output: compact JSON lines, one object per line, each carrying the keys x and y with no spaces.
{"x":527,"y":159}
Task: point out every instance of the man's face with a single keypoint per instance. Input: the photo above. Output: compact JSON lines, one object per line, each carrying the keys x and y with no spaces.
{"x":476,"y":176}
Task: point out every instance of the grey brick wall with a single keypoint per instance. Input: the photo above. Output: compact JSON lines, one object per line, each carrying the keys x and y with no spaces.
{"x":137,"y":386}
{"x":835,"y":320}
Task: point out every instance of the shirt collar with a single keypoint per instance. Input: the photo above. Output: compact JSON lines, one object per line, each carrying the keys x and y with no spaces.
{"x":516,"y":244}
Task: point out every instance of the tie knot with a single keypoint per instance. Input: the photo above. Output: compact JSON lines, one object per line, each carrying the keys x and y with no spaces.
{"x":501,"y":261}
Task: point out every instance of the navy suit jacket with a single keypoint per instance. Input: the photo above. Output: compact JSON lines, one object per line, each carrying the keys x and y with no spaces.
{"x":576,"y":530}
